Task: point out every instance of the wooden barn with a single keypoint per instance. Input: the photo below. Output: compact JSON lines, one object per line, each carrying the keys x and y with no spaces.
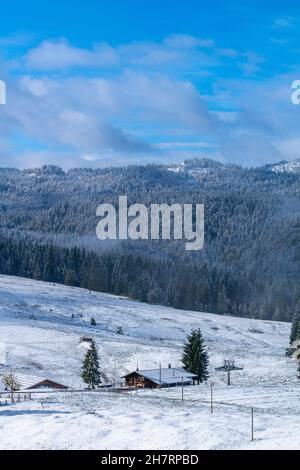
{"x":154,"y":378}
{"x":30,"y":382}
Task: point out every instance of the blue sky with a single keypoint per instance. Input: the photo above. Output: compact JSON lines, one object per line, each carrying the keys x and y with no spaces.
{"x":99,"y":83}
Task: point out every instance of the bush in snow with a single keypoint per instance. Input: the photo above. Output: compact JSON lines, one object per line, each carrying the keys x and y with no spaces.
{"x":11,"y":383}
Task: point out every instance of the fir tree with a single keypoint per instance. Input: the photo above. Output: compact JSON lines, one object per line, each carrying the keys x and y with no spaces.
{"x":222,"y":301}
{"x":195,"y":357}
{"x":49,"y":269}
{"x":37,"y":272}
{"x":295,"y":331}
{"x":90,"y":370}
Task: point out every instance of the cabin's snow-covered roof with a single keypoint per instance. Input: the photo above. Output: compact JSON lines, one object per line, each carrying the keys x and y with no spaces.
{"x":26,"y":381}
{"x":166,"y":376}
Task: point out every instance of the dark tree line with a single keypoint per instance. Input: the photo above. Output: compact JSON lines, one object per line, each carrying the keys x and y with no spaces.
{"x":250,"y":264}
{"x":165,"y":282}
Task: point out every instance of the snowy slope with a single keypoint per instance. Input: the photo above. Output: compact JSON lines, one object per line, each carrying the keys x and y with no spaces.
{"x":287,"y":167}
{"x":41,"y":325}
{"x":50,"y":344}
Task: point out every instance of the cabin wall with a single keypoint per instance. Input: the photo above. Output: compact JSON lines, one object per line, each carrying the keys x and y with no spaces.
{"x":139,"y":382}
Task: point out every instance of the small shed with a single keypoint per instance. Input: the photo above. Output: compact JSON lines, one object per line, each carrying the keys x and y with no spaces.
{"x":30,"y":382}
{"x":154,"y":378}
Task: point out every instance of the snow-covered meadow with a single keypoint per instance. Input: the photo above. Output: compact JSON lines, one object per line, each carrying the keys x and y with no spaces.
{"x":41,"y":325}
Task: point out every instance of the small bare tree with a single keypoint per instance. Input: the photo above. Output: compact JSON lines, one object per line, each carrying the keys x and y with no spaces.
{"x":11,"y":383}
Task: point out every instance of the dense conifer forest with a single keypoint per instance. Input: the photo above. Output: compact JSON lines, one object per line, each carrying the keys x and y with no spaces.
{"x":249,"y":265}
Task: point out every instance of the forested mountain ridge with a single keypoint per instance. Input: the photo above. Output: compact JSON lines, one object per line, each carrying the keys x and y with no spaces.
{"x":249,"y":265}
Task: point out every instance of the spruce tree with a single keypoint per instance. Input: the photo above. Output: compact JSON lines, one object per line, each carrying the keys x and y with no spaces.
{"x":49,"y":273}
{"x":222,"y":300}
{"x":90,"y":370}
{"x":295,"y":331}
{"x":195,"y":357}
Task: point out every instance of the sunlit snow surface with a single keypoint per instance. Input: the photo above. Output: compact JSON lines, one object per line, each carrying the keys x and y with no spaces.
{"x":41,"y":338}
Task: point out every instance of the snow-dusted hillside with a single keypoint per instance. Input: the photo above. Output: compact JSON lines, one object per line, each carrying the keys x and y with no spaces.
{"x":196,"y":167}
{"x":287,"y":167}
{"x":41,"y":325}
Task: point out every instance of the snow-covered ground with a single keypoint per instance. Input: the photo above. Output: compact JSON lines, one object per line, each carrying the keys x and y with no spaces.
{"x":41,"y":325}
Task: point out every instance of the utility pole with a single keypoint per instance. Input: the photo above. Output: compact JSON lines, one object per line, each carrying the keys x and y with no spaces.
{"x":228,"y":366}
{"x":182,"y":389}
{"x":252,"y":424}
{"x":211,"y":396}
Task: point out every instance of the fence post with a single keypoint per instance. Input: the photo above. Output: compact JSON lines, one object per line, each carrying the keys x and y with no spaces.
{"x":211,"y":396}
{"x":159,"y":375}
{"x":252,"y":424}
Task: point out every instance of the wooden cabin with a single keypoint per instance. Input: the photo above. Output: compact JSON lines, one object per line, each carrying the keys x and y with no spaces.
{"x":156,"y":378}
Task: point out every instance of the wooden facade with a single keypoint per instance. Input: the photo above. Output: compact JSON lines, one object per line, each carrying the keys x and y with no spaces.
{"x":138,"y":381}
{"x":156,"y":378}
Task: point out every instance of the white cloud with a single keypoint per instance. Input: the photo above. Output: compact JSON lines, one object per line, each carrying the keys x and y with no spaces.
{"x":230,"y":53}
{"x":178,"y":50}
{"x":37,"y":87}
{"x":146,"y":91}
{"x":283,"y":22}
{"x":78,"y":114}
{"x":56,"y":55}
{"x":185,"y":41}
{"x":17,"y":39}
{"x":252,"y":62}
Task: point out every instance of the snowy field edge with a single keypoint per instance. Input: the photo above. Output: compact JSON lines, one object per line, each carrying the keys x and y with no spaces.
{"x":41,"y":325}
